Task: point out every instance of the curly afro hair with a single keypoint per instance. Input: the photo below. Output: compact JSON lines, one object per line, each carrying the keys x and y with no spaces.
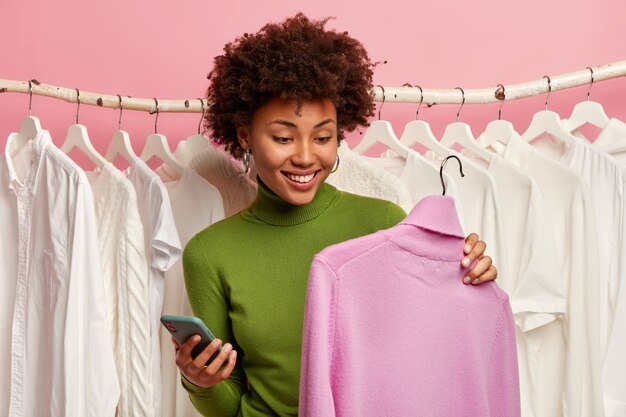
{"x":296,"y":60}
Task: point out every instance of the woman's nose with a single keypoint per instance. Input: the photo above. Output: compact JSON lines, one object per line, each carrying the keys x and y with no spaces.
{"x":303,"y":155}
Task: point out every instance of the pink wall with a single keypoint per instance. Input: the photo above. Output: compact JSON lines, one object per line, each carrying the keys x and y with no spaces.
{"x":165,"y":49}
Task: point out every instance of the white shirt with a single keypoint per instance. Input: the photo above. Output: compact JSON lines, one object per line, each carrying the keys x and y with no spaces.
{"x":196,"y":204}
{"x":535,"y":281}
{"x":564,"y":355}
{"x":614,"y":368}
{"x":357,"y":175}
{"x":125,"y":272}
{"x":605,"y":177}
{"x":612,"y":140}
{"x":56,"y":354}
{"x":163,"y":249}
{"x":613,"y":132}
{"x":618,"y":151}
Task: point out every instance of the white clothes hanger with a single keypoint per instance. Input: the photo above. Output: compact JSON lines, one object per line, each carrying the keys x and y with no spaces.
{"x":547,"y":121}
{"x":120,"y":146}
{"x":120,"y":142}
{"x":381,"y":131}
{"x":198,"y":142}
{"x":29,"y":127}
{"x":587,"y":112}
{"x":77,"y":137}
{"x":156,"y":145}
{"x":497,"y":130}
{"x":459,"y":133}
{"x":419,"y":131}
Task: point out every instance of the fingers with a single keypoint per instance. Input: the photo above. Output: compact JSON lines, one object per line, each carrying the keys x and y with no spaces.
{"x":490,"y":275}
{"x":196,"y":370}
{"x":204,"y":356}
{"x":483,"y":271}
{"x":176,"y":344}
{"x":183,"y":354}
{"x":478,"y":250}
{"x":470,"y":241}
{"x":213,"y":368}
{"x":230,"y":365}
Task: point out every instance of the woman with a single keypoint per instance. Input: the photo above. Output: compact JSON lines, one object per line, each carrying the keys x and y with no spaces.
{"x":283,"y":96}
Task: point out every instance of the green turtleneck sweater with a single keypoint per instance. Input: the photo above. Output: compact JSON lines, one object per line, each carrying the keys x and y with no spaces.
{"x":246,"y":278}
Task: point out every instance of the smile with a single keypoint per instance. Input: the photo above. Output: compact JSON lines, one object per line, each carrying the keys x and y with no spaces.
{"x":302,"y":179}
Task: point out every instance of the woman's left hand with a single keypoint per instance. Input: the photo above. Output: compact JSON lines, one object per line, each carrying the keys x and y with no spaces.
{"x":483,"y":271}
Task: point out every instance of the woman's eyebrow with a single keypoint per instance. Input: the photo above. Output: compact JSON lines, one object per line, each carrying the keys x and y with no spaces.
{"x":283,"y":123}
{"x":324,"y":122}
{"x":293,"y":125}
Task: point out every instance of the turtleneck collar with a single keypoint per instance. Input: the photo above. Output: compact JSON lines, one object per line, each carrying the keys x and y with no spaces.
{"x":272,"y":209}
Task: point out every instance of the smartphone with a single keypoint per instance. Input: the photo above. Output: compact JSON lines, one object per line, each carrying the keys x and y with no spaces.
{"x":183,"y":327}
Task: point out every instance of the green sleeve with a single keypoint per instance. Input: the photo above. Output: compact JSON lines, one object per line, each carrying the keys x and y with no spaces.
{"x":395,"y":214}
{"x":209,"y":302}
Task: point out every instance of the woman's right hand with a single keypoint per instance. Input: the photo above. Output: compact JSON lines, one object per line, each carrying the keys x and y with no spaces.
{"x":196,"y":371}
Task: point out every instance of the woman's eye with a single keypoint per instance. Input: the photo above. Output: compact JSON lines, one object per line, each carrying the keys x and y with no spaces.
{"x":281,"y":139}
{"x":324,"y":139}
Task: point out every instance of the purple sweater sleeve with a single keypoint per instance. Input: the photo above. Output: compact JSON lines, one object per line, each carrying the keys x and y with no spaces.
{"x":316,"y":398}
{"x":503,"y":380}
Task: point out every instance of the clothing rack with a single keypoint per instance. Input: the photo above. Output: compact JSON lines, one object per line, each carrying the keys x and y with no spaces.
{"x":404,"y":94}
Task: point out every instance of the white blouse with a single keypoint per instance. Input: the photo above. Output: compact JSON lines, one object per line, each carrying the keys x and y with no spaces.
{"x":56,"y":355}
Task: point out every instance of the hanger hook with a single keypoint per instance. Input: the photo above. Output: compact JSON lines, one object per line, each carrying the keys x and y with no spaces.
{"x":500,"y":95}
{"x":549,"y":89}
{"x":30,"y":98}
{"x":119,"y":121}
{"x":381,"y":105}
{"x":157,"y":114}
{"x":78,"y":101}
{"x":591,"y":85}
{"x":421,"y":101}
{"x":202,"y":117}
{"x":421,"y":98}
{"x":443,"y":165}
{"x":462,"y":103}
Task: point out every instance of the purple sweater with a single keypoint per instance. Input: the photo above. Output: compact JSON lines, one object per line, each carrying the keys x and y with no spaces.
{"x":390,"y":330}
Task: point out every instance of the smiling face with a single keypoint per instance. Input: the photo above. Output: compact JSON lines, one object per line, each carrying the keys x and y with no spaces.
{"x":293,"y":154}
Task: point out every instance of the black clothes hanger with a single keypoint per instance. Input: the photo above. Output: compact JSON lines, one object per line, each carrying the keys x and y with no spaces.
{"x":443,"y":164}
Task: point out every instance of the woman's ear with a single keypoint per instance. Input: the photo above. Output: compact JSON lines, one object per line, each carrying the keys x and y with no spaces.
{"x":243,"y":136}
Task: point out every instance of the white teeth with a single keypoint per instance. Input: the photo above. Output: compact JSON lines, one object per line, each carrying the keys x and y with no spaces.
{"x":301,"y":178}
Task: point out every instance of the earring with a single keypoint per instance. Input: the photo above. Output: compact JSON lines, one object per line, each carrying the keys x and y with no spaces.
{"x":246,"y":161}
{"x":336,"y":165}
